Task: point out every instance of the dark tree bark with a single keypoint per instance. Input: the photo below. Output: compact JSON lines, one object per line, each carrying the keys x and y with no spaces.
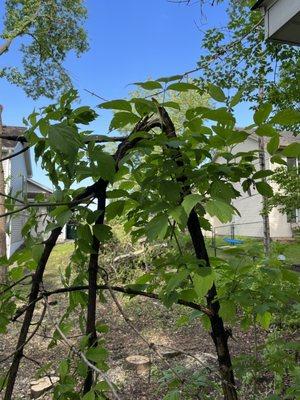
{"x":92,"y":283}
{"x":218,"y":332}
{"x":34,"y":292}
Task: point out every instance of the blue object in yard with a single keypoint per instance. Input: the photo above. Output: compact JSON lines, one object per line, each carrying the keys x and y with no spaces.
{"x":233,"y":241}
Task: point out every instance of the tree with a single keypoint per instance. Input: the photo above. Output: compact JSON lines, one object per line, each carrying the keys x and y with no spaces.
{"x":176,"y":183}
{"x":287,"y":195}
{"x":51,"y":29}
{"x":239,"y":57}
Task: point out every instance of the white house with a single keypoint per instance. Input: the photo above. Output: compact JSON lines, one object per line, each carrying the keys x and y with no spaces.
{"x":282,"y":20}
{"x":19,"y":183}
{"x":249,"y":204}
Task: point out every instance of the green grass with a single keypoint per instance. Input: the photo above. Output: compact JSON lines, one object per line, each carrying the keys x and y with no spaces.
{"x":58,"y":260}
{"x":290,"y":250}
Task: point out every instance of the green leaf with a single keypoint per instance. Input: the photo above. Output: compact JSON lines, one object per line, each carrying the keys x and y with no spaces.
{"x":262,"y":174}
{"x":180,"y":216}
{"x":97,"y":354}
{"x":190,"y":201}
{"x":157,"y":227}
{"x":84,"y":115}
{"x":222,"y":190}
{"x":170,"y":191}
{"x":262,"y":113}
{"x":171,"y":104}
{"x":176,"y":279}
{"x":64,"y":139}
{"x":266,"y":130}
{"x":264,"y":189}
{"x":227,"y":310}
{"x":221,"y":210}
{"x":182,"y":86}
{"x":37,"y":251}
{"x":264,"y":319}
{"x":220,"y":115}
{"x":89,"y":396}
{"x":286,"y":117}
{"x":273,"y":144}
{"x":203,"y":281}
{"x":143,"y":106}
{"x":216,"y":93}
{"x":292,"y":150}
{"x":170,"y":78}
{"x":122,"y":119}
{"x":62,"y":214}
{"x":116,"y":105}
{"x":106,"y":164}
{"x":149,"y":85}
{"x":102,"y":232}
{"x":278,"y":159}
{"x":236,"y":98}
{"x":113,"y":209}
{"x":63,"y":368}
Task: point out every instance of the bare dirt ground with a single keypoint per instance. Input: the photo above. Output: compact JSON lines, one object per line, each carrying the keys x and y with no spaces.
{"x":157,"y":325}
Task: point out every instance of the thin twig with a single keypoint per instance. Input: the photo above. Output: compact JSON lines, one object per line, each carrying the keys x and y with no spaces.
{"x":15,"y":284}
{"x":28,"y":339}
{"x":151,"y":345}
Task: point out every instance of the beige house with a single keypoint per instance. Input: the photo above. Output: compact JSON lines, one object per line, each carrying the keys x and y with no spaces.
{"x":249,"y":204}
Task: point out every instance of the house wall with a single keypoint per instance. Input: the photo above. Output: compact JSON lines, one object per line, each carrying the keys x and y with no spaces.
{"x":17,"y":184}
{"x":250,"y":222}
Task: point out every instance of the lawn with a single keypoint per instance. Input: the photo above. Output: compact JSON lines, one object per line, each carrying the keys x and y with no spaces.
{"x":291,"y":250}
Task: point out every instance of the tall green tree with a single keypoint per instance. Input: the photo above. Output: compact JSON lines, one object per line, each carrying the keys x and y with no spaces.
{"x":49,"y":30}
{"x":237,"y":55}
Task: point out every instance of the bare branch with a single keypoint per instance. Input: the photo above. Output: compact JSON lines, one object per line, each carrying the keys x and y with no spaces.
{"x":15,"y":154}
{"x":15,"y":284}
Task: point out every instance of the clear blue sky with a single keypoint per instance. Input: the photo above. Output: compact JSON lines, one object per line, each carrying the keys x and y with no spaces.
{"x":130,"y":41}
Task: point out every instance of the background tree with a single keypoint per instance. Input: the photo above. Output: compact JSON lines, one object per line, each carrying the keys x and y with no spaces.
{"x":248,"y":62}
{"x":50,"y":29}
{"x":287,"y":195}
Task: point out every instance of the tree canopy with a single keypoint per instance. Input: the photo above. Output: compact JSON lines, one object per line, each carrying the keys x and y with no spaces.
{"x":45,"y":32}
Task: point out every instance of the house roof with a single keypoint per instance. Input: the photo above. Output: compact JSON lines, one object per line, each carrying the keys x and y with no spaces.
{"x":11,"y":131}
{"x":38,"y":187}
{"x":258,"y":4}
{"x":11,"y":144}
{"x":288,"y":137}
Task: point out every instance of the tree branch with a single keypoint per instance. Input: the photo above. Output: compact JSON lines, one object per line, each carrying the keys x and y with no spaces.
{"x":125,"y":290}
{"x":15,"y":154}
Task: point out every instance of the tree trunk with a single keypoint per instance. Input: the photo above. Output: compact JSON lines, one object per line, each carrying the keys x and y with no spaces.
{"x":92,"y":280}
{"x":34,"y":292}
{"x":265,"y":215}
{"x":3,"y":269}
{"x":218,"y":332}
